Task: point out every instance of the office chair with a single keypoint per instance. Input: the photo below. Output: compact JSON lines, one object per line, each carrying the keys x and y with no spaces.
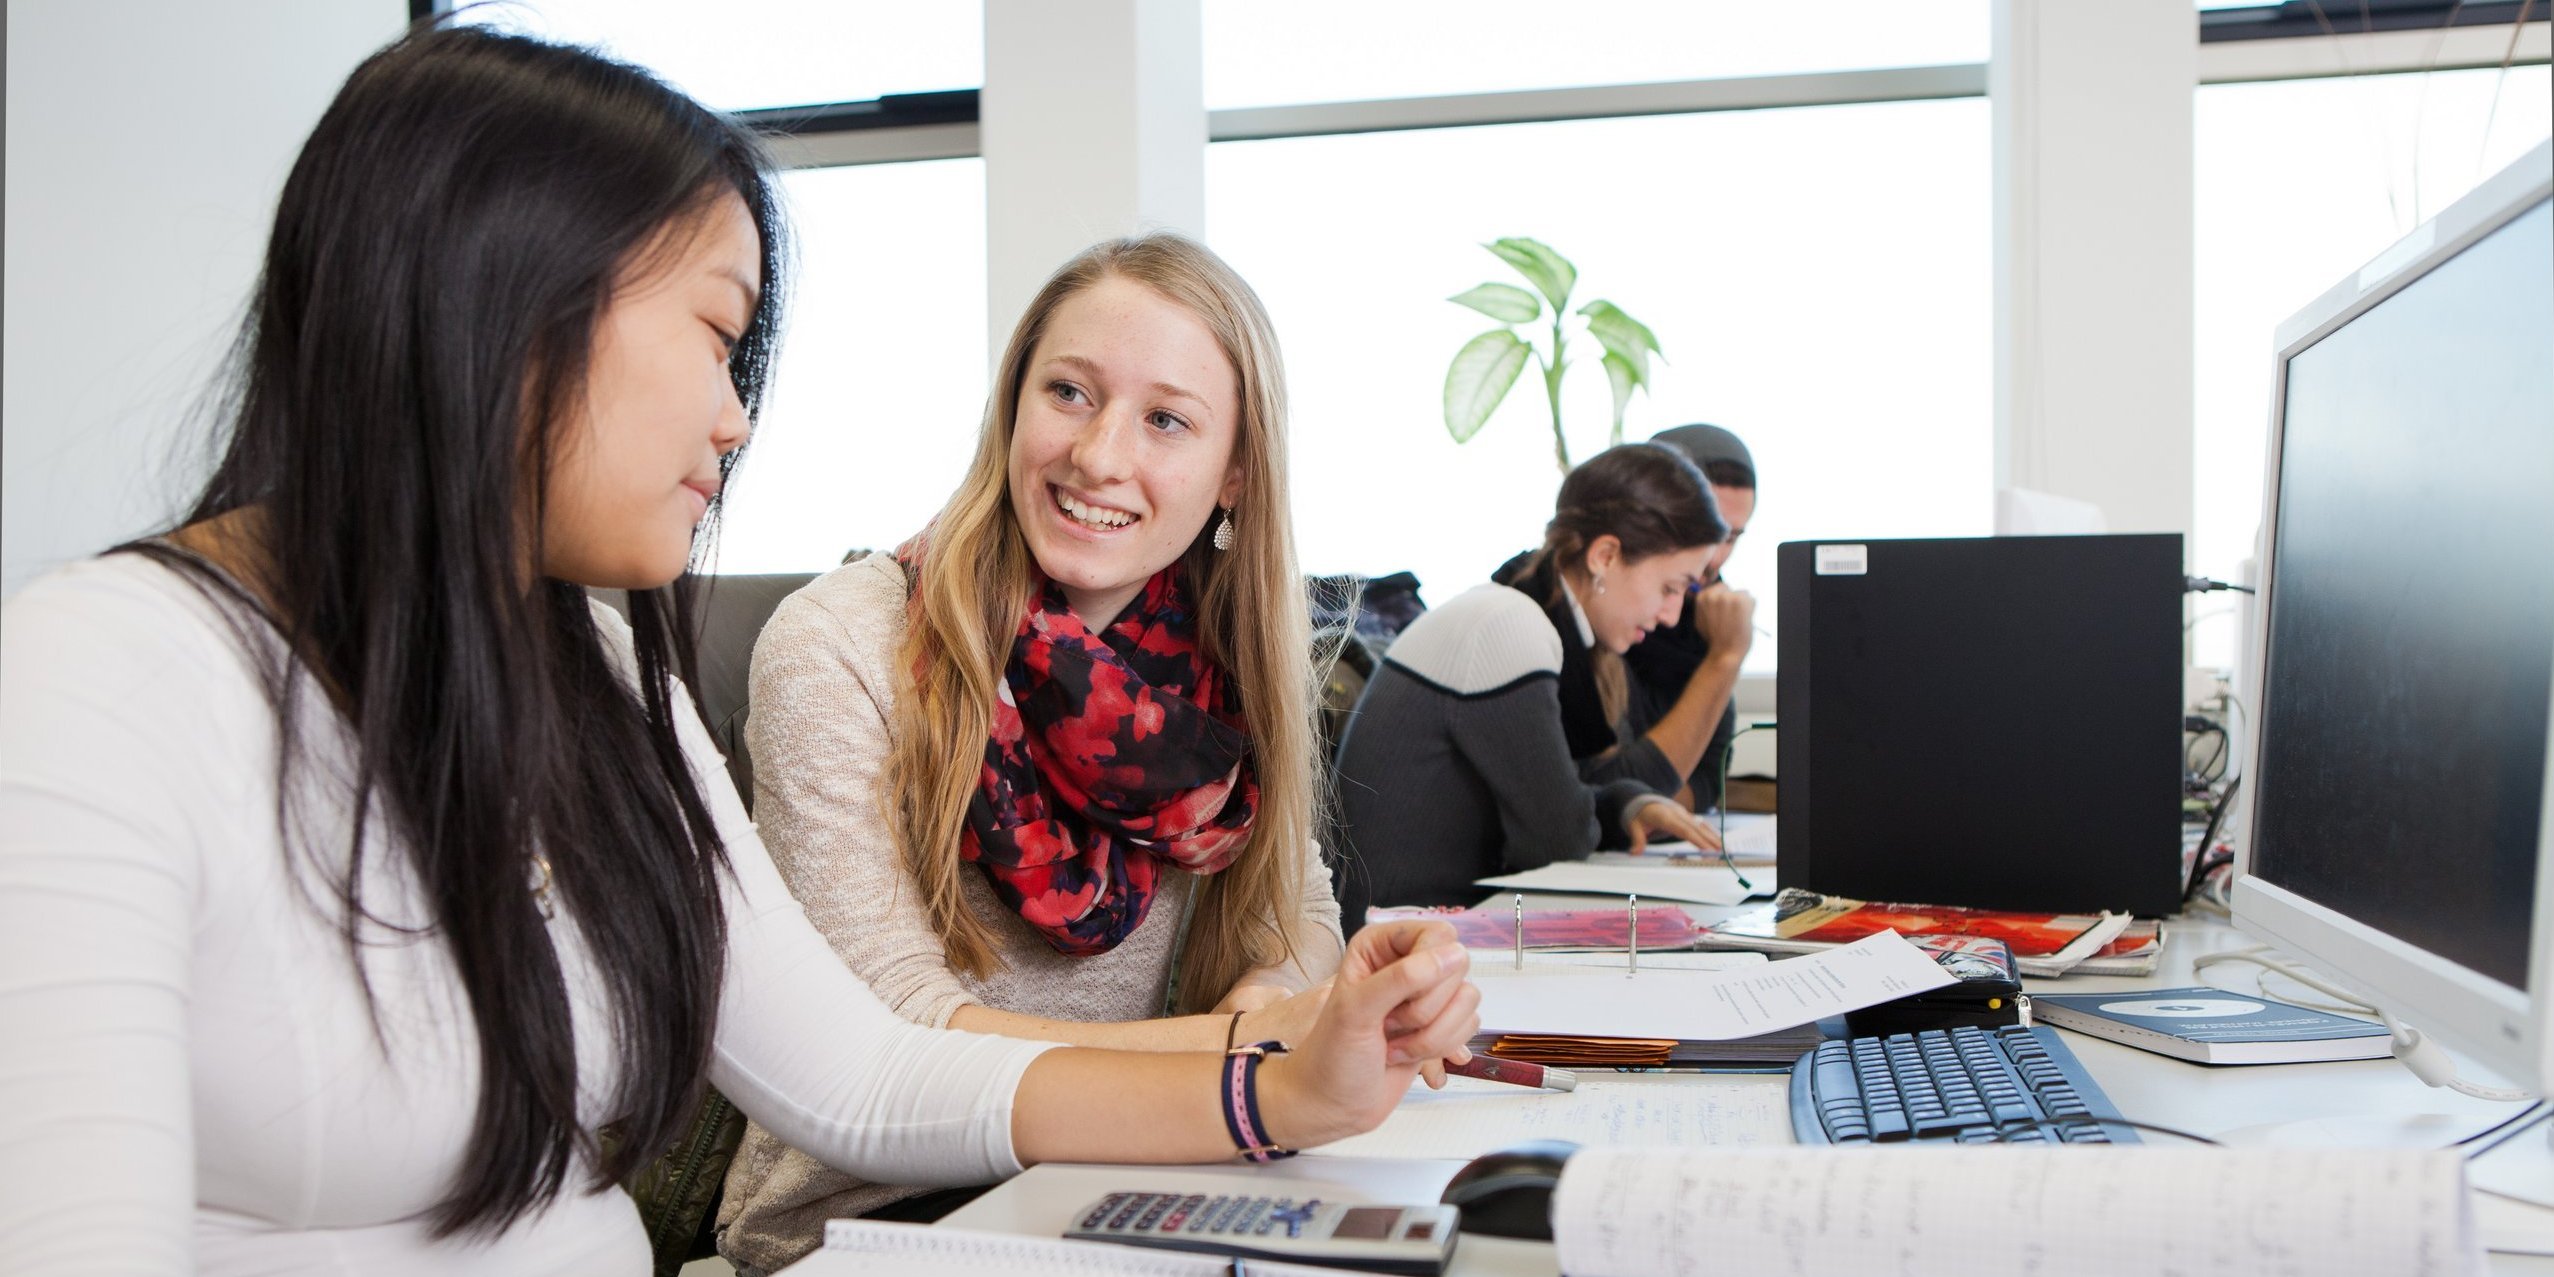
{"x":732,"y":611}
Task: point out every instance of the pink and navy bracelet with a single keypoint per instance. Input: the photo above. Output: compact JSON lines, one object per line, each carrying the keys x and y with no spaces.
{"x":1241,"y":1101}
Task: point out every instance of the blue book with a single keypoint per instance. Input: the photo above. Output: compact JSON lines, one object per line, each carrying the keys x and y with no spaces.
{"x":2213,"y":1026}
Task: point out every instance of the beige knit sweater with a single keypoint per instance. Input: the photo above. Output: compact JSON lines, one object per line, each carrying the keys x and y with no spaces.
{"x":824,"y":688}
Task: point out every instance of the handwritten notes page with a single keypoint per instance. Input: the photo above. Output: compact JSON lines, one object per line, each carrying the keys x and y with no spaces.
{"x":1471,"y":1117}
{"x":1704,"y":1006}
{"x":2065,"y":1212}
{"x":861,"y":1247}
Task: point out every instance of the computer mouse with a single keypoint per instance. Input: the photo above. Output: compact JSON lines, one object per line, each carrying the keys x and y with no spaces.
{"x":1509,"y":1193}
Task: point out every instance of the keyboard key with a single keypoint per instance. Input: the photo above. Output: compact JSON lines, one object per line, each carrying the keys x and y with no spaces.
{"x":1834,"y":1078}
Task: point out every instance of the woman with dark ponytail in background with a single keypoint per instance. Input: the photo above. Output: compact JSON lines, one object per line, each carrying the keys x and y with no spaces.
{"x":1459,"y":762}
{"x":370,"y":901}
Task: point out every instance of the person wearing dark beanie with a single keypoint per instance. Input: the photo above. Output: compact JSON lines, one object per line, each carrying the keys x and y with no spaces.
{"x":1670,"y":664}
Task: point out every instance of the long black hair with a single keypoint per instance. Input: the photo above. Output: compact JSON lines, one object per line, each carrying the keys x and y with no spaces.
{"x":443,"y":249}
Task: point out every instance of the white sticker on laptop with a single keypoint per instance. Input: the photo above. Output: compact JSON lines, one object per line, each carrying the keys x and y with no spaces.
{"x":1844,"y":560}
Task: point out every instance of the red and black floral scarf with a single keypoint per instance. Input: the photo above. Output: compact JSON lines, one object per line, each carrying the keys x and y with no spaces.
{"x":1110,"y":753}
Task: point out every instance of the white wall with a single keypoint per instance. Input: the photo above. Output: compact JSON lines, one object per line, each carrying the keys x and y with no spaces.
{"x":146,"y":142}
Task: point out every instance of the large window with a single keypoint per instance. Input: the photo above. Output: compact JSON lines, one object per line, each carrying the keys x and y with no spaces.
{"x":1818,"y":278}
{"x":1264,"y":54}
{"x":880,"y":382}
{"x":738,"y":55}
{"x":2298,"y":183}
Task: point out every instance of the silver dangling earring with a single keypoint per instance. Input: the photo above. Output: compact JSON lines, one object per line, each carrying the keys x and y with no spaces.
{"x":1224,"y":531}
{"x":1600,"y":583}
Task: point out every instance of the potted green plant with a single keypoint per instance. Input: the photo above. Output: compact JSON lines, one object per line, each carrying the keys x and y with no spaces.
{"x":1488,"y":365}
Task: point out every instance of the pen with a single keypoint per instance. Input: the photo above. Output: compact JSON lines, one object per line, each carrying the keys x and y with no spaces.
{"x":1632,"y":938}
{"x":1520,"y":931}
{"x":1490,"y":1068}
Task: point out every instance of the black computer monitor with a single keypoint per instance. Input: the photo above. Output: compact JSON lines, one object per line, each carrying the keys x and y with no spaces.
{"x":1989,"y":721}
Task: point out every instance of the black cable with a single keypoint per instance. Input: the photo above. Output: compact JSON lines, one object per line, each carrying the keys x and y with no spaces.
{"x":2214,"y":769}
{"x":2199,"y":863}
{"x":1729,"y":751}
{"x":2210,"y":585}
{"x":2034,"y":1123}
{"x":2519,"y":1126}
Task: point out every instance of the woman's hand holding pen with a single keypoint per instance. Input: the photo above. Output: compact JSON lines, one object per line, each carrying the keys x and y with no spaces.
{"x":1399,"y":1006}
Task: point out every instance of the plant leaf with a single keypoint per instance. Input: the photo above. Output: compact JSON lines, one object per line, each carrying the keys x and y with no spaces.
{"x":1479,"y":378}
{"x":1506,"y":303}
{"x":1622,"y":335}
{"x":1620,"y":374}
{"x":1549,"y":272}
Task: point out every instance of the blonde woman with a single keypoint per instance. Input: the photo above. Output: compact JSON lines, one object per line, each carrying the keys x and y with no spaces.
{"x":1048,"y":770}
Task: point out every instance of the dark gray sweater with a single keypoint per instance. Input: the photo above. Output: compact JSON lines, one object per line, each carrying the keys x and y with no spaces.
{"x":1455,"y":765}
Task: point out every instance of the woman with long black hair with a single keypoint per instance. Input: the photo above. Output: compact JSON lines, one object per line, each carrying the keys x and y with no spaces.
{"x":372,"y":902}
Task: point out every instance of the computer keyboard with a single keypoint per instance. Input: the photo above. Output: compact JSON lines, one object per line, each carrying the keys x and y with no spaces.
{"x":1951,"y":1086}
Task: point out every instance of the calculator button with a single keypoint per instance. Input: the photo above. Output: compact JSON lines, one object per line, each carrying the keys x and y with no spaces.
{"x":1293,"y":1217}
{"x":1101,"y":1211}
{"x":1197,"y":1219}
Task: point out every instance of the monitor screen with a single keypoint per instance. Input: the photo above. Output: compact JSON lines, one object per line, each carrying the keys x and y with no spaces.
{"x":2410,"y":618}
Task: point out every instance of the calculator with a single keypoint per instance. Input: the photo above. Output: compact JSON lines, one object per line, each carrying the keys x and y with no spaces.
{"x":1390,"y":1239}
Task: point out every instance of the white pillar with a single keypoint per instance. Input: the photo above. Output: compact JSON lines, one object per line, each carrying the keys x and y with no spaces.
{"x":1094,"y":125}
{"x":2092,"y":126}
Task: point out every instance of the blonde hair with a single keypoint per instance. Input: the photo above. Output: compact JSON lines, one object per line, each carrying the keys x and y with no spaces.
{"x":972,"y":589}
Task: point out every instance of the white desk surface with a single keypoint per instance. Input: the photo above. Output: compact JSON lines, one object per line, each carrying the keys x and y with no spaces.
{"x":2209,"y":1101}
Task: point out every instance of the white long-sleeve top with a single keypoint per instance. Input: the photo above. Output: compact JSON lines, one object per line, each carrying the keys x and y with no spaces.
{"x":190,"y":1079}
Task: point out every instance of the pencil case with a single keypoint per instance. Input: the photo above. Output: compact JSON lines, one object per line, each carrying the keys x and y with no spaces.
{"x":1989,"y":992}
